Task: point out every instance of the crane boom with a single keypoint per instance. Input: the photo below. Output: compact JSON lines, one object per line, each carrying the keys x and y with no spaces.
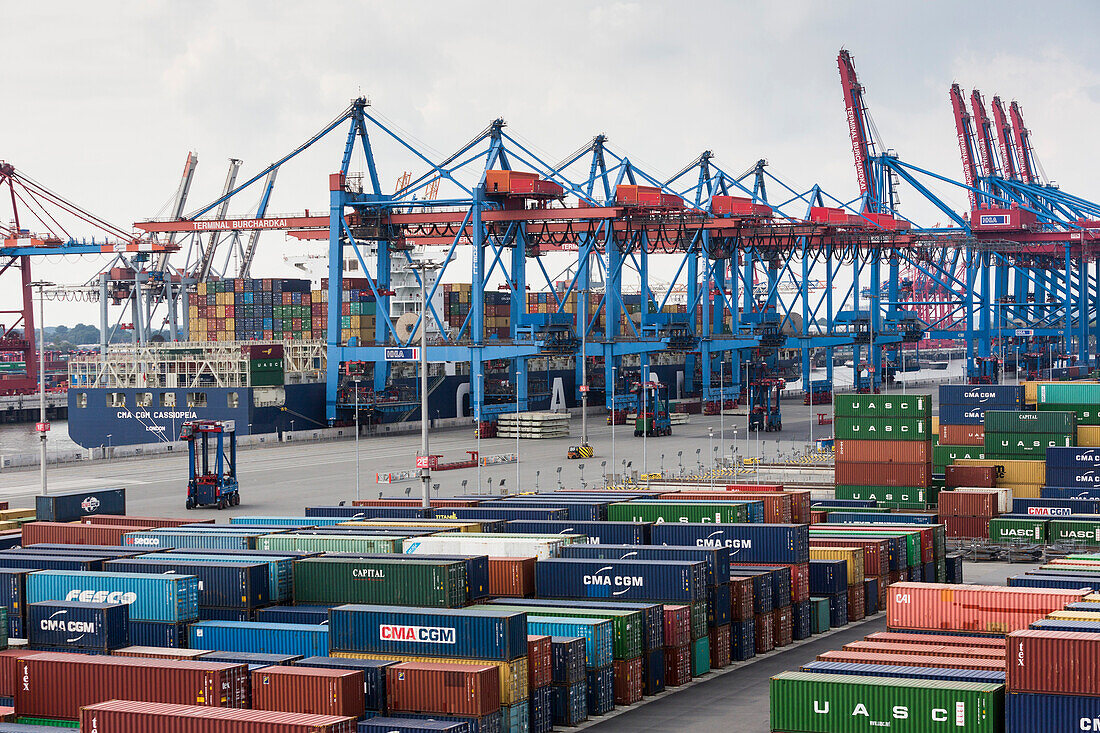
{"x":859,"y":130}
{"x":207,"y":258}
{"x":966,"y":143}
{"x":179,"y":201}
{"x":1004,"y":139}
{"x":983,"y":131}
{"x":1021,"y":139}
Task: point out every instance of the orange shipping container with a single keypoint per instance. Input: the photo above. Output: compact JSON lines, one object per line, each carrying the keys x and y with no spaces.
{"x":935,"y":650}
{"x":453,"y":689}
{"x":313,"y":690}
{"x":962,"y":435}
{"x":985,"y":609}
{"x":512,"y":576}
{"x":910,"y":660}
{"x":883,"y":451}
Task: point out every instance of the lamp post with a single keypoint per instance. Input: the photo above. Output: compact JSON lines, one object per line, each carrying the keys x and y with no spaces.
{"x":42,"y":427}
{"x":518,"y":487}
{"x":423,"y":267}
{"x":477,"y":407}
{"x":721,"y":400}
{"x":584,"y":374}
{"x":710,"y":435}
{"x":613,"y":418}
{"x":356,"y":383}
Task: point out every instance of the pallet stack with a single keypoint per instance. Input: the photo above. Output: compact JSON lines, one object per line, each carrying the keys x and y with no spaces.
{"x":533,"y":425}
{"x":884,"y":449}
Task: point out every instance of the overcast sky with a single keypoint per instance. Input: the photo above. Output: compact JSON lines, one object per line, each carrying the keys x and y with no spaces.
{"x":104,"y":100}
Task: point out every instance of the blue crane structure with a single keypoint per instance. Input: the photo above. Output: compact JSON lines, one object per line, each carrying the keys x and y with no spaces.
{"x":745,"y":248}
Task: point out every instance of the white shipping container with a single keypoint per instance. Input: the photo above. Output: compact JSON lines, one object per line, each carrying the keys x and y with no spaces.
{"x":1004,"y":496}
{"x":492,"y":544}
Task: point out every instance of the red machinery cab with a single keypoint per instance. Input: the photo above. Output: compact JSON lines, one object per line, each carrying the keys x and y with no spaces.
{"x":738,"y":206}
{"x":520,"y":183}
{"x":646,"y":196}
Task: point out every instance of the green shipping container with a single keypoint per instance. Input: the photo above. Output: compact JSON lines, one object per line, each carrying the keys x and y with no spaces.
{"x":669,"y":511}
{"x":700,"y":656}
{"x":819,"y":615}
{"x":880,"y":405}
{"x":1011,"y":421}
{"x":898,"y":497}
{"x":1025,"y":445}
{"x":1068,"y":394}
{"x":403,"y":581}
{"x":626,"y":625}
{"x":806,"y":702}
{"x":945,"y":455}
{"x":329,"y":543}
{"x":1086,"y":414}
{"x":1017,"y":530}
{"x":1085,"y":532}
{"x":882,"y":428}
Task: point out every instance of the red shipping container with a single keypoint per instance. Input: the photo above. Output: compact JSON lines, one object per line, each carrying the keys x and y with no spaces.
{"x":434,"y":687}
{"x":439,"y":503}
{"x":512,"y":576}
{"x":962,"y":435}
{"x":741,"y":598}
{"x":1060,"y":662}
{"x":782,"y":619}
{"x":127,"y":716}
{"x":883,"y":474}
{"x":935,"y":650}
{"x":967,"y":504}
{"x":629,"y":680}
{"x":58,"y":685}
{"x":677,"y":623}
{"x":75,"y":534}
{"x":883,"y":451}
{"x":677,"y":665}
{"x":719,"y":646}
{"x":313,"y":690}
{"x":800,"y":505}
{"x":978,"y":476}
{"x":754,"y":487}
{"x":883,"y":586}
{"x":966,"y":527}
{"x":765,"y":632}
{"x":160,"y":652}
{"x":8,"y":659}
{"x":819,"y":517}
{"x":120,"y":520}
{"x":876,"y":553}
{"x":988,"y":609}
{"x":912,"y":660}
{"x":980,"y":642}
{"x":540,"y":662}
{"x":857,"y":604}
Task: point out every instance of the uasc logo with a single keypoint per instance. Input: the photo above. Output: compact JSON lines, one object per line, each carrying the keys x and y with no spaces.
{"x":426,"y":634}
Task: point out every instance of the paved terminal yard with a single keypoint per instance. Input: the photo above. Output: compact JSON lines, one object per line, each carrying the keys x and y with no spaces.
{"x":282,"y":479}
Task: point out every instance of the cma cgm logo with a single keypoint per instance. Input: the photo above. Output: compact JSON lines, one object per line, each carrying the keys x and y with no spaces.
{"x":101,"y":596}
{"x":714,"y":539}
{"x":617,"y":581}
{"x":90,"y":504}
{"x":429,"y":634}
{"x":898,"y":712}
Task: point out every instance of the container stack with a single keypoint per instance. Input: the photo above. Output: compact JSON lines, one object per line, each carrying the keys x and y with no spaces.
{"x":963,"y":408}
{"x":568,"y":683}
{"x":884,"y":449}
{"x":1072,"y":472}
{"x":1082,"y":399}
{"x":966,"y":514}
{"x":246,"y":309}
{"x":73,"y":626}
{"x":457,"y":300}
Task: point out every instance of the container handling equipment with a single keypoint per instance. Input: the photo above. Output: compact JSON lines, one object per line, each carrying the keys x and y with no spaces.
{"x":211,"y":485}
{"x":653,"y":418}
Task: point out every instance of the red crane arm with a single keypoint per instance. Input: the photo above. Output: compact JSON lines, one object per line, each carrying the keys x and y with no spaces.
{"x":983,"y":131}
{"x":858,"y":129}
{"x":1021,"y":138}
{"x":966,"y":143}
{"x":1004,"y":139}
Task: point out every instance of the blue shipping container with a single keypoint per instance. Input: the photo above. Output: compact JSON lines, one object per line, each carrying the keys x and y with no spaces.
{"x":73,"y":505}
{"x":597,"y":635}
{"x":763,"y":600}
{"x":99,"y":626}
{"x":152,"y":633}
{"x":991,"y":396}
{"x":209,"y":613}
{"x":880,"y":518}
{"x":221,"y":584}
{"x":838,"y":609}
{"x":293,"y":614}
{"x":719,"y":604}
{"x":13,"y":597}
{"x":1074,"y":482}
{"x":571,"y":704}
{"x":484,"y":634}
{"x":516,"y":718}
{"x":996,"y":677}
{"x":280,"y":569}
{"x":369,"y":512}
{"x":1027,"y":712}
{"x":743,"y":640}
{"x":251,"y":658}
{"x":1068,"y":582}
{"x":601,"y":690}
{"x":1056,"y":624}
{"x":507,"y":513}
{"x":28,"y":561}
{"x":568,"y":655}
{"x":716,"y":558}
{"x":653,"y":631}
{"x":164,"y":598}
{"x":800,"y":619}
{"x":374,"y":676}
{"x":828,"y":577}
{"x":1055,"y":507}
{"x":780,"y":579}
{"x":664,"y":580}
{"x":485,"y":724}
{"x":576,"y":511}
{"x":234,"y":636}
{"x":654,"y":672}
{"x":598,"y":533}
{"x":176,"y":538}
{"x":767,"y":543}
{"x":1084,"y":458}
{"x":963,"y":414}
{"x":541,"y":714}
